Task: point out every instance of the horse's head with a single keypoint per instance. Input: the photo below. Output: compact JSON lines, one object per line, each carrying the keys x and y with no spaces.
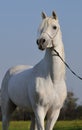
{"x":48,"y":31}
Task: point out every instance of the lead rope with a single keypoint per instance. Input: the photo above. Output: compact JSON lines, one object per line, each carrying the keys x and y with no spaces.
{"x":67,"y":65}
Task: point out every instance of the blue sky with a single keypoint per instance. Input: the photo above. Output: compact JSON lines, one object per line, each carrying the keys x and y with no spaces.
{"x":19,"y":21}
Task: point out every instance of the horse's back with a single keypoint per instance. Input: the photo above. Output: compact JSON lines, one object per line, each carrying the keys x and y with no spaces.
{"x":18,"y":69}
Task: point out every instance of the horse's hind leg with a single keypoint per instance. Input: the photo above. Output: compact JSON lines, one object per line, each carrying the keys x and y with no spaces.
{"x":7,"y":108}
{"x":33,"y":123}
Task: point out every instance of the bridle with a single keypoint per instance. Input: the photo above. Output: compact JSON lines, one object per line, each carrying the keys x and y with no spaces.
{"x":57,"y":54}
{"x":51,"y":36}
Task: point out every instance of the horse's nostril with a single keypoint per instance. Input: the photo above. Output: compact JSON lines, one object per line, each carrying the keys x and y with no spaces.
{"x":44,"y":40}
{"x":37,"y":41}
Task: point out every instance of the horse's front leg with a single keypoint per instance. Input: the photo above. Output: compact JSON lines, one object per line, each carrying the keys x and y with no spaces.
{"x":52,"y":118}
{"x":39,"y":115}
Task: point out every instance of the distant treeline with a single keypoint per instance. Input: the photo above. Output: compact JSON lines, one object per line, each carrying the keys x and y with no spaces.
{"x":70,"y":110}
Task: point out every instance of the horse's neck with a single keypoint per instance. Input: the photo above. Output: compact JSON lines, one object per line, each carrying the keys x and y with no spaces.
{"x":54,"y":65}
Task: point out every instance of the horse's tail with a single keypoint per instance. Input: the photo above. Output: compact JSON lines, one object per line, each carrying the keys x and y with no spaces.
{"x":4,"y":86}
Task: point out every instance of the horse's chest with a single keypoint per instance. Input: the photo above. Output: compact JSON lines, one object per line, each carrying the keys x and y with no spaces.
{"x":44,"y":93}
{"x":48,"y":94}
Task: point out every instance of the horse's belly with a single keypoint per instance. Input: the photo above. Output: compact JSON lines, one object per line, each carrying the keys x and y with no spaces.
{"x":18,"y":92}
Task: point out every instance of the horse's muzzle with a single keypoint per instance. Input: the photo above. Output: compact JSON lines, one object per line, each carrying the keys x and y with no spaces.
{"x":41,"y":43}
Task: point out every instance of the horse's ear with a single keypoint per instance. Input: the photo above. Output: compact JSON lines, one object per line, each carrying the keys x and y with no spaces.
{"x":43,"y":15}
{"x":54,"y":15}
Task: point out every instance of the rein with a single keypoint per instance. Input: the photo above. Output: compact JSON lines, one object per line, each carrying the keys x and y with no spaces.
{"x":57,"y":54}
{"x":67,"y":65}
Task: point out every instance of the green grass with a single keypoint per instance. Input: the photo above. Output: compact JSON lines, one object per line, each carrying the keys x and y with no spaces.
{"x":60,"y":125}
{"x":68,"y":125}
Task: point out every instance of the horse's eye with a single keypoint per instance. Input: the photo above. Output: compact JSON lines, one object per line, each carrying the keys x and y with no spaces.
{"x":54,"y":27}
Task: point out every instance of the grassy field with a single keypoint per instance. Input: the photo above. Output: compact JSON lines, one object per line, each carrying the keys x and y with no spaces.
{"x":60,"y":125}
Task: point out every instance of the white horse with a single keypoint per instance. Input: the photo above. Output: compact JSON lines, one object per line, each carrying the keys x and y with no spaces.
{"x":41,"y":89}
